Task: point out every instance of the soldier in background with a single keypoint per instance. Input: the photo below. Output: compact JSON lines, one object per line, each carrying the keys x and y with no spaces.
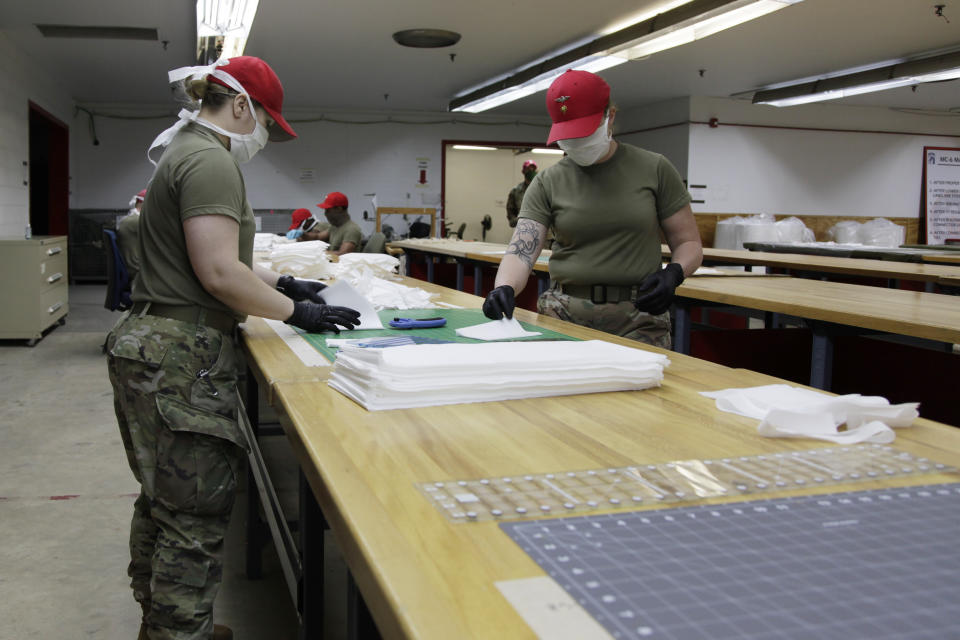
{"x":342,"y":233}
{"x":515,"y":199}
{"x":128,"y":236}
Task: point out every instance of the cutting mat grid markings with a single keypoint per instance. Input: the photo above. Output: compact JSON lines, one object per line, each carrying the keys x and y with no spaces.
{"x":869,"y":564}
{"x":569,"y":492}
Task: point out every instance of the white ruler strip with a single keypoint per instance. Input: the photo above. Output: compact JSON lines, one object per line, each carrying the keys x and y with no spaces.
{"x":304,"y":350}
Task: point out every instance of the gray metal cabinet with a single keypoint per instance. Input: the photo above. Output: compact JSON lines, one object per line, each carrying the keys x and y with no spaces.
{"x":33,"y":286}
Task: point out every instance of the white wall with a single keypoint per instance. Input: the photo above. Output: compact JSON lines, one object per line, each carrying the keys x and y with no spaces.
{"x":20,"y":82}
{"x":781,"y":170}
{"x":667,"y":131}
{"x":356,"y":159}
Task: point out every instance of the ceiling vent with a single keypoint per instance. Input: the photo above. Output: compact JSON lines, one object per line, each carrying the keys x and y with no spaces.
{"x":96,"y":33}
{"x":426,"y":38}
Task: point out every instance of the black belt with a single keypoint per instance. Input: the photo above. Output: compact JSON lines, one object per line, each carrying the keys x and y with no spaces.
{"x":601,"y":293}
{"x":193,"y":314}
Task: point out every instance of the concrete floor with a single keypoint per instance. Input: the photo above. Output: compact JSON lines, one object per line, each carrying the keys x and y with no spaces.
{"x":66,"y":497}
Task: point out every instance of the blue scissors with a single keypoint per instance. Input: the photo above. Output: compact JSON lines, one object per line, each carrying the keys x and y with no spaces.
{"x":417,"y":323}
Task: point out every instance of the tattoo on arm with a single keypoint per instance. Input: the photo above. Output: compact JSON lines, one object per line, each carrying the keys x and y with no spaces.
{"x":527,"y":242}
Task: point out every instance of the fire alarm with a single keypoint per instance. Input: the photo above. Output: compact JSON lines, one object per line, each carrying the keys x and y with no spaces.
{"x":714,"y":123}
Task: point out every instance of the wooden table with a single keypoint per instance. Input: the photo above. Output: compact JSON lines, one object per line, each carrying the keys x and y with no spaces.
{"x":825,"y":305}
{"x":890,"y":270}
{"x":425,"y":577}
{"x":271,"y":365}
{"x":466,"y":253}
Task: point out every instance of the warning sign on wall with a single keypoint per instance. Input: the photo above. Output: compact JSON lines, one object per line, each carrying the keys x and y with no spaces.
{"x":423,"y":166}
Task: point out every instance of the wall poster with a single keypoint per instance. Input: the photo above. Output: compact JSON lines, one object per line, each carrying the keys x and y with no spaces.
{"x":940,"y":202}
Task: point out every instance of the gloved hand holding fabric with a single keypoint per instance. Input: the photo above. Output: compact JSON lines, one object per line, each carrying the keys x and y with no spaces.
{"x":316,"y":318}
{"x":657,"y":289}
{"x":499,"y":303}
{"x":297,"y":289}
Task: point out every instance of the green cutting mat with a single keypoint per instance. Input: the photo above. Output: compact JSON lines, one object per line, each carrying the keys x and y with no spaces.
{"x":456,"y":319}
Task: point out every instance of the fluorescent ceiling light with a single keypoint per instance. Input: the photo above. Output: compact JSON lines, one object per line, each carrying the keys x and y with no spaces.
{"x":229,"y":19}
{"x":470,"y":147}
{"x":937,"y":68}
{"x":680,"y":25}
{"x":556,"y":152}
{"x":541,"y":82}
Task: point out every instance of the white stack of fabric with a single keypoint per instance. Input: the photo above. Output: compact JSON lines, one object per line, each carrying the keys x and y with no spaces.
{"x":426,"y":375}
{"x":373,"y":275}
{"x":301,"y":259}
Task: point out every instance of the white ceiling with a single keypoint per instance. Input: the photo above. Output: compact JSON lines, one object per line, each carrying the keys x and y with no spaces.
{"x":339,"y":54}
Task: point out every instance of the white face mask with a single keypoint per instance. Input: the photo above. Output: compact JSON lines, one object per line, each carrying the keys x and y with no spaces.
{"x":243,"y":146}
{"x":586,"y":151}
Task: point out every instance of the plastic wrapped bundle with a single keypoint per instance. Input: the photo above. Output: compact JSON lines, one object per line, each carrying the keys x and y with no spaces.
{"x":301,"y":259}
{"x":759,"y":228}
{"x":881,"y":232}
{"x":726,"y":233}
{"x":845,"y":232}
{"x":790,"y":230}
{"x":436,"y":374}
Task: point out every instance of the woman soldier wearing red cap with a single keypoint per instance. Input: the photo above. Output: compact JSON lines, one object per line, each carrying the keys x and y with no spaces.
{"x":173,"y":360}
{"x":606,"y":203}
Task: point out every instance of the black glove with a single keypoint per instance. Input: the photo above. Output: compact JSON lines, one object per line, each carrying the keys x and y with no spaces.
{"x":314,"y":318}
{"x":499,"y":303}
{"x":657,"y":289}
{"x":298,"y":290}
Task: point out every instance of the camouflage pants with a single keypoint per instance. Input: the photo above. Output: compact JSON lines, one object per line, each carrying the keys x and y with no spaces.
{"x":619,"y":318}
{"x":175,"y":397}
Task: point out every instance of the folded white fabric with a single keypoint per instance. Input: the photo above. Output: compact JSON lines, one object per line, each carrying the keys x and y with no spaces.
{"x":370,"y":280}
{"x":435,"y":374}
{"x":502,"y":329}
{"x":341,"y":294}
{"x":792,"y":412}
{"x":301,"y":259}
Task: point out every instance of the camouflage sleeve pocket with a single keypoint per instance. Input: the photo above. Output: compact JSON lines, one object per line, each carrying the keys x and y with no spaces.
{"x":198,"y":458}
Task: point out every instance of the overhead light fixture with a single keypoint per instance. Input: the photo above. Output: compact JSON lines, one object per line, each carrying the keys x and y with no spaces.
{"x":470,"y":147}
{"x":556,"y":152}
{"x":681,"y":25}
{"x":936,"y":68}
{"x":99,"y":33}
{"x":223,"y":27}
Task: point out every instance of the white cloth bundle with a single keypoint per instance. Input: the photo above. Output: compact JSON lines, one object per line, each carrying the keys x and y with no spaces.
{"x":301,"y":259}
{"x":368,"y":273}
{"x":435,"y":374}
{"x":792,"y":412}
{"x":265,"y":241}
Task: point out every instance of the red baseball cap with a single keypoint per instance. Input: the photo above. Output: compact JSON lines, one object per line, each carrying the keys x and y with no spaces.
{"x":334,"y":199}
{"x":141,"y":195}
{"x":576,"y":102}
{"x":298,"y":217}
{"x":264,"y":86}
{"x":529,"y":163}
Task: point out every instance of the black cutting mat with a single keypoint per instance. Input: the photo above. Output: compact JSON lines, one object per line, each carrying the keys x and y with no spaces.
{"x":865,"y":564}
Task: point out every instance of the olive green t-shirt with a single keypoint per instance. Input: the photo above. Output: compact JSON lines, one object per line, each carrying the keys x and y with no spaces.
{"x":606,"y":217}
{"x":349,"y":231}
{"x":196,"y":176}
